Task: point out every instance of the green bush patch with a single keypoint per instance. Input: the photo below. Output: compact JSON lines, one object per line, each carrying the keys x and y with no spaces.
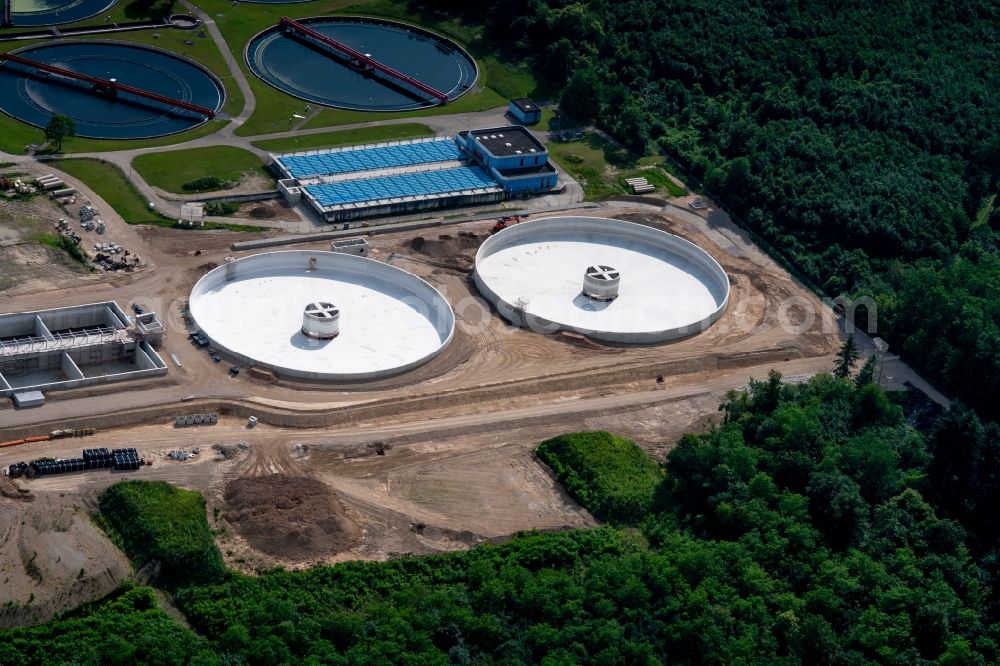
{"x":220,"y":208}
{"x":610,"y":476}
{"x":161,"y":523}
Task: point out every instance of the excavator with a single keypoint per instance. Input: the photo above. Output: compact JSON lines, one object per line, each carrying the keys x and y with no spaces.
{"x":505,"y":222}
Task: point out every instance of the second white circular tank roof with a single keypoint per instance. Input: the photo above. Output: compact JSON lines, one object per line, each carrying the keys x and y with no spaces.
{"x":669,"y":287}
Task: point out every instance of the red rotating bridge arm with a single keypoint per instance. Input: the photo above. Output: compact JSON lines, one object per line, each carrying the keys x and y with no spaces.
{"x":105,"y":83}
{"x":363,"y":59}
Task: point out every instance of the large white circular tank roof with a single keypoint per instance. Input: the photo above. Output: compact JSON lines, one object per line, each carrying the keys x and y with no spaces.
{"x":389,"y":320}
{"x":534,"y":273}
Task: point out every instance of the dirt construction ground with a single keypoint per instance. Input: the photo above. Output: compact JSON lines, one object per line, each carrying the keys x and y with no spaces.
{"x":437,"y":459}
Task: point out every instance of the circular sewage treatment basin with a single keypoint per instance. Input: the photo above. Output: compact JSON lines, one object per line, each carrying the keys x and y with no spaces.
{"x":611,"y":280}
{"x":317,"y":74}
{"x":33,"y":13}
{"x":35,"y":97}
{"x":387,"y":320}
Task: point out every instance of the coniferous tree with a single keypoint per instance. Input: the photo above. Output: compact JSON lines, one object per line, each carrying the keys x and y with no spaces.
{"x":847,"y":358}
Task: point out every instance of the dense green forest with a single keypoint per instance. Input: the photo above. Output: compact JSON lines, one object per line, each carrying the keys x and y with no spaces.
{"x":860,"y":139}
{"x":815,"y":525}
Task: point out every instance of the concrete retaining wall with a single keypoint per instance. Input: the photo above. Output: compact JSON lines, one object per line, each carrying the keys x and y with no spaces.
{"x":241,"y":198}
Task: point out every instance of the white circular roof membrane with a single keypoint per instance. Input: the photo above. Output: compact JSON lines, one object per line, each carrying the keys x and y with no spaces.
{"x":533,"y":272}
{"x":389,"y":320}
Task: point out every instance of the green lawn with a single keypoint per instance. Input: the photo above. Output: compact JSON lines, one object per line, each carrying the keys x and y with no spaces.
{"x":112,"y":186}
{"x":346,"y":137}
{"x":473,"y":101}
{"x":654,"y":175}
{"x":601,"y":167}
{"x":586,"y":162}
{"x":15,"y":135}
{"x":171,"y":170}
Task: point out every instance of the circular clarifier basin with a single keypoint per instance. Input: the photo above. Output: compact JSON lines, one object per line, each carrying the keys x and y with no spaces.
{"x":302,"y":68}
{"x":33,"y":13}
{"x":611,"y":280}
{"x":35,"y":96}
{"x":322,"y":315}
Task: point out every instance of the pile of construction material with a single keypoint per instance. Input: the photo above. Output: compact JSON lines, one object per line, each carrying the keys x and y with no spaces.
{"x":181,"y":454}
{"x":21,"y":187}
{"x":196,"y":419}
{"x":72,"y":432}
{"x":118,"y":459}
{"x":56,"y":188}
{"x":49,"y":183}
{"x":89,"y":220}
{"x":63,"y":228}
{"x":640,"y":185}
{"x":113,"y":257}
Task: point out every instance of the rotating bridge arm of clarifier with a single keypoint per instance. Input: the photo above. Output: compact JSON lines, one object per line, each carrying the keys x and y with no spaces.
{"x":104,"y":85}
{"x":361,"y":58}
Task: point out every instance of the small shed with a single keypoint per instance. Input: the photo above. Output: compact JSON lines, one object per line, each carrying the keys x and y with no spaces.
{"x":525,"y":111}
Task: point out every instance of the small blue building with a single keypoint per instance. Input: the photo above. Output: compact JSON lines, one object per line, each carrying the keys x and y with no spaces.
{"x":524,"y":110}
{"x":513,"y":156}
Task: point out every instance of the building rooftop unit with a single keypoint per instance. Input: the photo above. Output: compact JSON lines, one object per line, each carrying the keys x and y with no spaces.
{"x":525,"y":105}
{"x":507,"y":141}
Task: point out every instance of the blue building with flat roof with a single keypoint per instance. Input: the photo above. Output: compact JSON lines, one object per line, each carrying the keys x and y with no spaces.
{"x":518,"y":161}
{"x":398,"y":177}
{"x":523,"y":110}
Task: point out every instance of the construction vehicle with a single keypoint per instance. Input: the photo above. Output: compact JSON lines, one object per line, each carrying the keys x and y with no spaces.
{"x":505,"y":222}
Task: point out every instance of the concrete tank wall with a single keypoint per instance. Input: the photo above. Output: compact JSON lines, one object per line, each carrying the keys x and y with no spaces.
{"x":591,"y":228}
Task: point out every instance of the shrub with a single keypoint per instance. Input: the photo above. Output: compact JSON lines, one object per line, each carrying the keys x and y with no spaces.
{"x":161,"y":523}
{"x":610,"y":476}
{"x":219,"y":208}
{"x":206,"y":184}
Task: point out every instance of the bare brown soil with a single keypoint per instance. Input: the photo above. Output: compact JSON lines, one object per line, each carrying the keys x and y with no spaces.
{"x":53,"y":558}
{"x":448,"y":245}
{"x":292,"y":518}
{"x":268,"y":209}
{"x":28,"y":266}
